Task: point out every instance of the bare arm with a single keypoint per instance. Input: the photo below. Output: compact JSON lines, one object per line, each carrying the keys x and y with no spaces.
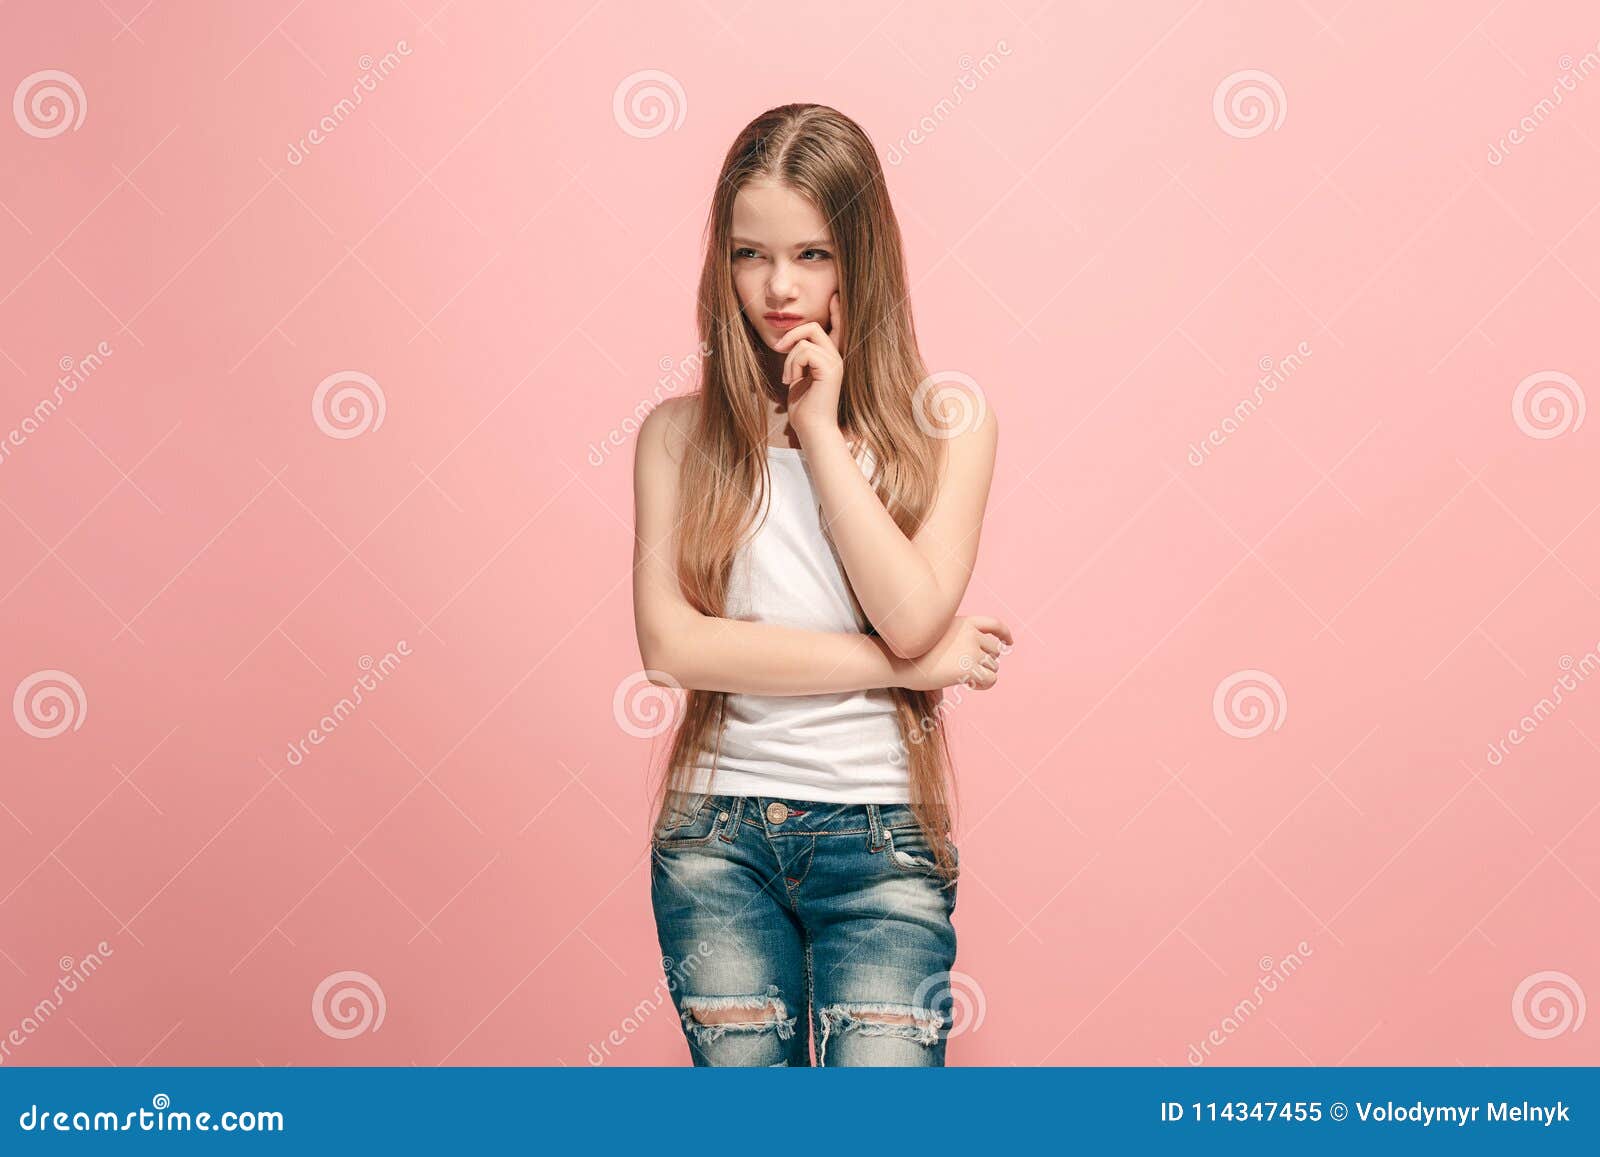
{"x":909,"y":588}
{"x":718,"y":654}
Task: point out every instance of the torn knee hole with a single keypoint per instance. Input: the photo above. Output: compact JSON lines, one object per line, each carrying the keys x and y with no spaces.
{"x":733,"y":1015}
{"x":710,"y":1017}
{"x":906,"y":1021}
{"x":887,"y":1018}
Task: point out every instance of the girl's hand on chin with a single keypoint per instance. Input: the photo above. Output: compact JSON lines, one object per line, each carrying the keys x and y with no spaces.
{"x":813,"y":371}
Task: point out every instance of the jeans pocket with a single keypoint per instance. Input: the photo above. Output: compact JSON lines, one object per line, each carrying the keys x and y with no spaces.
{"x":910,"y":851}
{"x":689,"y":818}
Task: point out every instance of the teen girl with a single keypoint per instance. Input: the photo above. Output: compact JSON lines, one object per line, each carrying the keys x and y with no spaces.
{"x":806,"y":527}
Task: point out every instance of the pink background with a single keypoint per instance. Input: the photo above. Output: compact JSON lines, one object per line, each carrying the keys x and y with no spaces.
{"x":515,"y":271}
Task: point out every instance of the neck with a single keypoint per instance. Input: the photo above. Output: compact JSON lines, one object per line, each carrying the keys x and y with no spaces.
{"x":774,"y":397}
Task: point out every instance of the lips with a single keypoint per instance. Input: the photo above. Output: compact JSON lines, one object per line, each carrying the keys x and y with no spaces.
{"x":784,"y":320}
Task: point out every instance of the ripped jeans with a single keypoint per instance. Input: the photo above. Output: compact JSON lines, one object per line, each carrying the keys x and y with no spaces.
{"x":784,"y":921}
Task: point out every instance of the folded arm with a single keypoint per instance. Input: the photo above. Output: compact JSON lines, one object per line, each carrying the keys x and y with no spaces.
{"x":909,"y":588}
{"x":699,"y":651}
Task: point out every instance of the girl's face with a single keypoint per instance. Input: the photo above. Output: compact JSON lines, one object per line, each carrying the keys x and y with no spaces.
{"x":783,"y":259}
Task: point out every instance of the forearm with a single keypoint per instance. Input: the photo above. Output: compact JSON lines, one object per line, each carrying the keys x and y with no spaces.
{"x":897,"y":588}
{"x":755,"y":658}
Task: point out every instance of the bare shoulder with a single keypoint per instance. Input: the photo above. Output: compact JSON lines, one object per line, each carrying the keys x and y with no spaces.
{"x":666,"y":429}
{"x":966,"y":424}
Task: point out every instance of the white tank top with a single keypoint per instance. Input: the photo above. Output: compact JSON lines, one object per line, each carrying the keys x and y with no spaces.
{"x":843,"y":747}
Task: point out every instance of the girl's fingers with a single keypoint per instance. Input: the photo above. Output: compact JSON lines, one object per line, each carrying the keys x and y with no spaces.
{"x":797,"y":359}
{"x":997,"y":628}
{"x":801,"y":332}
{"x":814,"y":333}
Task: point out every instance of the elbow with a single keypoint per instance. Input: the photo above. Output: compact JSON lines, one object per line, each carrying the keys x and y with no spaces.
{"x":661,"y":667}
{"x":669,"y":672}
{"x":912,"y":640}
{"x":665,"y":659}
{"x":661,"y":676}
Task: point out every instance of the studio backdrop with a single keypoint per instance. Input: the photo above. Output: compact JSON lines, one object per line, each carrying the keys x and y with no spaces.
{"x":326,"y":333}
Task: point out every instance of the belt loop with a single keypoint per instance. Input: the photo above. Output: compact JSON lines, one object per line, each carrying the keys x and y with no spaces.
{"x":874,"y":828}
{"x":730,"y":828}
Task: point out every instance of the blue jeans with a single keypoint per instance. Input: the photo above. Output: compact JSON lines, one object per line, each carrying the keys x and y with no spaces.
{"x":783,"y":921}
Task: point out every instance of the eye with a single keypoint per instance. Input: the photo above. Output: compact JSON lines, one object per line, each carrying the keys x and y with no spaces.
{"x":822,"y":252}
{"x":738,"y":253}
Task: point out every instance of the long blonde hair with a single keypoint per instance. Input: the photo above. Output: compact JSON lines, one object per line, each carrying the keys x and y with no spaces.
{"x":825,"y":156}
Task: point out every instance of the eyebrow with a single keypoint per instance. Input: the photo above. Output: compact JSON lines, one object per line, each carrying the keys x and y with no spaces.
{"x":797,"y":245}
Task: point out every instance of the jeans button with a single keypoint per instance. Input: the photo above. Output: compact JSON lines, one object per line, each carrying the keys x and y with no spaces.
{"x":777,"y":812}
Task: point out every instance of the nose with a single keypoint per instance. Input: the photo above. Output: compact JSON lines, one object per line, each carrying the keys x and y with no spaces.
{"x":781,"y":286}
